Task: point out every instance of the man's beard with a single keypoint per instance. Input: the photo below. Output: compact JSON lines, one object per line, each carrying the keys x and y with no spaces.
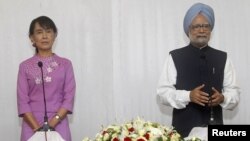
{"x":199,"y":41}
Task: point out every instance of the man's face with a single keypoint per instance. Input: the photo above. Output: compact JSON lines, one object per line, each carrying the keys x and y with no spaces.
{"x":199,"y":31}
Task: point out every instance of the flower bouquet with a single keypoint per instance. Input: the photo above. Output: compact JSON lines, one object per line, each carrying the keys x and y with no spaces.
{"x":138,"y":130}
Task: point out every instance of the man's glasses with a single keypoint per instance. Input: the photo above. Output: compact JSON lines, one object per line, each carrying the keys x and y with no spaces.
{"x":197,"y":27}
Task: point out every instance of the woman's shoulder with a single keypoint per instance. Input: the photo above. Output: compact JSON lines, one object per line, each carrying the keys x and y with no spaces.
{"x":62,"y":60}
{"x":27,"y":61}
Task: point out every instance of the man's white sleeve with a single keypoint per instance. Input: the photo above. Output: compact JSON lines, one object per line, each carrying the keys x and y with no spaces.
{"x":166,"y":91}
{"x":230,"y":89}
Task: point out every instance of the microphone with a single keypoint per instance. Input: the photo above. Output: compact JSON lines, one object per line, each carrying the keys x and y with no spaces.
{"x":40,"y":65}
{"x":45,"y":126}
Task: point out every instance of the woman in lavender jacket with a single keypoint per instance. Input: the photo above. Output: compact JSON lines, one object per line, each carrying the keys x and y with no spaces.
{"x":59,"y":84}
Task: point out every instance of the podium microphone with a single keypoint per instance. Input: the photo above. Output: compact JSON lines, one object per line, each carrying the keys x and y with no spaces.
{"x":45,"y":126}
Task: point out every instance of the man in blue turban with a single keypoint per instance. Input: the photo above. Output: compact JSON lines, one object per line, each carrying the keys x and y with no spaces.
{"x":196,"y":9}
{"x":198,"y":80}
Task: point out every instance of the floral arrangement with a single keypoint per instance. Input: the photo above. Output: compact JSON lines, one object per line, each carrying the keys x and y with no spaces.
{"x":138,"y":130}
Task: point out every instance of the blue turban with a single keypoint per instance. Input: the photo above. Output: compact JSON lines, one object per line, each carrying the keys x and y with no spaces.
{"x":193,"y":11}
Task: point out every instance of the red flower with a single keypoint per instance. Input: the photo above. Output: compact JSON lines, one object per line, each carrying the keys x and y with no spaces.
{"x":140,"y":139}
{"x":170,"y":134}
{"x":131,"y":129}
{"x":146,"y":136}
{"x":115,"y":139}
{"x":127,"y":139}
{"x":104,"y":132}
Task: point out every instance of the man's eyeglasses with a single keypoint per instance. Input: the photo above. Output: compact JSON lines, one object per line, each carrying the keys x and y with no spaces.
{"x":197,"y":27}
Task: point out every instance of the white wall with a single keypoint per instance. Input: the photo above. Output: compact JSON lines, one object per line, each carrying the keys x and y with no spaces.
{"x":118,"y":49}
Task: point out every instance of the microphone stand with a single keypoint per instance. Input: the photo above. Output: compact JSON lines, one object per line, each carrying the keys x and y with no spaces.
{"x":211,"y":119}
{"x":45,"y":126}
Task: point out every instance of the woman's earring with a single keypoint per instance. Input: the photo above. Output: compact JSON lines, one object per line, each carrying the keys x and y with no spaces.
{"x":34,"y":44}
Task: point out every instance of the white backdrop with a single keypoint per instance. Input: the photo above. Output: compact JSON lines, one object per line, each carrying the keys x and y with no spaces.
{"x":118,"y":48}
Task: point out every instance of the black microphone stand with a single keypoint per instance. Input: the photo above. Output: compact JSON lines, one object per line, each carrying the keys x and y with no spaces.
{"x":45,"y":126}
{"x":211,"y":119}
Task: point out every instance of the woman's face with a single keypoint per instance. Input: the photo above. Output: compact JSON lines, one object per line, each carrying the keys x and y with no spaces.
{"x":42,"y":38}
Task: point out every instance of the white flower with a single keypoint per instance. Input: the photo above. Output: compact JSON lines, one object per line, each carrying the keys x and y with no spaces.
{"x":175,"y":137}
{"x":137,"y":130}
{"x":54,"y":64}
{"x":155,"y":131}
{"x":48,"y":79}
{"x":38,"y":80}
{"x":106,"y":136}
{"x":124,"y":132}
{"x":49,"y":69}
{"x":141,"y":132}
{"x":86,"y":139}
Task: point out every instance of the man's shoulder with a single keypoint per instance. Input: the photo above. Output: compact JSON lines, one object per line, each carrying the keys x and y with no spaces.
{"x":178,"y":50}
{"x":217,"y":50}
